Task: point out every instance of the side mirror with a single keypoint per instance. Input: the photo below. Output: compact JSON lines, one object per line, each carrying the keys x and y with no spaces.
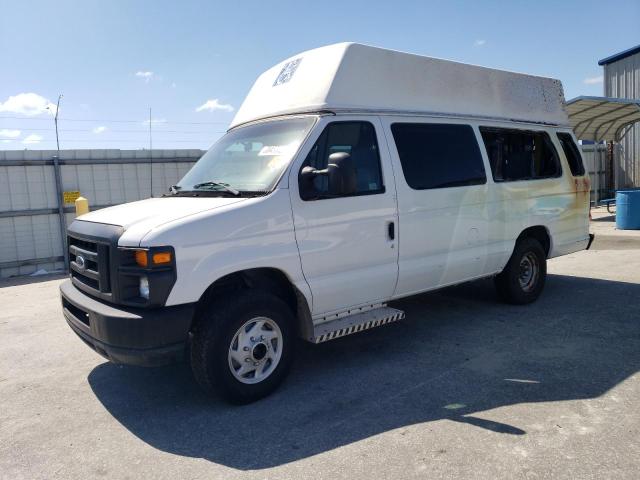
{"x":305,"y":182}
{"x":340,"y":171}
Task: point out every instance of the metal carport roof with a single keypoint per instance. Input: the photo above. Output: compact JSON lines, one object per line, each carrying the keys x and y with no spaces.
{"x":602,"y":118}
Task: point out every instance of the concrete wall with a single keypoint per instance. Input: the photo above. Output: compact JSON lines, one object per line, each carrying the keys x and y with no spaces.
{"x":30,"y":237}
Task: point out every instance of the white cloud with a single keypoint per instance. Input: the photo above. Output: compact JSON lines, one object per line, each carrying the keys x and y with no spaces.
{"x":5,"y":141}
{"x":146,"y":75}
{"x":29,"y":104}
{"x":593,"y":80}
{"x":6,"y":133}
{"x":479,"y":43}
{"x":31,"y":139}
{"x":100,"y":129}
{"x":214,"y":104}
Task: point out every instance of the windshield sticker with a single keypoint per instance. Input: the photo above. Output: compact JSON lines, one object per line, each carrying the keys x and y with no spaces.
{"x":277,"y":150}
{"x":287,"y":72}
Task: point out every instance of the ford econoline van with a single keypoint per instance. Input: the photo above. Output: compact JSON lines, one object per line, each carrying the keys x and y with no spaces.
{"x":351,"y":176}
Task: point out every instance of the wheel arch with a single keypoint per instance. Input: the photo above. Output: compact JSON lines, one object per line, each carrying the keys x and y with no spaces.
{"x":540,"y":233}
{"x":269,"y":279}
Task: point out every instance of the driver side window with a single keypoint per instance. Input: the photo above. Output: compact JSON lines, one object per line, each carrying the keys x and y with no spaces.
{"x":358,"y":139}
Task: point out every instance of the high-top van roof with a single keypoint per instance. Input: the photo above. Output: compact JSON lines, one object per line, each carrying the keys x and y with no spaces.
{"x":355,"y":77}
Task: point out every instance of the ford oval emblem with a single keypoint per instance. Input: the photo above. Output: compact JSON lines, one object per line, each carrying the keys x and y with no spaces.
{"x":80,"y":262}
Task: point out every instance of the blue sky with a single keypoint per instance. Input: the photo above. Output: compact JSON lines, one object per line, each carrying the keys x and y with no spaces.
{"x":193,"y":62}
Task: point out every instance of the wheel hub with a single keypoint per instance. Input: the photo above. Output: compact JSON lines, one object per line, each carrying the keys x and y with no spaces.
{"x":259,"y":351}
{"x":255,"y":350}
{"x":529,"y":272}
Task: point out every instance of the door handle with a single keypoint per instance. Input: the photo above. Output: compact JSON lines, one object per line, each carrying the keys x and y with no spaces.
{"x":391,"y":230}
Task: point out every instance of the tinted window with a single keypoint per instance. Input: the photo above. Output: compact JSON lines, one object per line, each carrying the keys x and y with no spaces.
{"x":572,"y":153}
{"x":438,"y":155}
{"x":357,"y":139}
{"x":520,"y":154}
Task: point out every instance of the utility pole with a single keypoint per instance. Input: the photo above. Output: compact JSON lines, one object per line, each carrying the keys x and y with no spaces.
{"x":58,"y":177}
{"x":151,"y":152}
{"x":55,"y":120}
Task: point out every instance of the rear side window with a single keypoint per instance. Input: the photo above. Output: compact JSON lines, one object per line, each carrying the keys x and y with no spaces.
{"x":520,"y":154}
{"x":438,"y":155}
{"x":572,"y":153}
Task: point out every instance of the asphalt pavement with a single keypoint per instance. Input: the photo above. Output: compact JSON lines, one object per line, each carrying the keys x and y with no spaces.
{"x":464,"y":387}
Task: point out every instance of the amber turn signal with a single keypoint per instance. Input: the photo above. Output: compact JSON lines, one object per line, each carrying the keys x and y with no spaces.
{"x":141,"y":258}
{"x":161,"y":258}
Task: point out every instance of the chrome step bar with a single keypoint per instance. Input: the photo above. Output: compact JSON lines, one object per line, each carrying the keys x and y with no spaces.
{"x":356,"y":323}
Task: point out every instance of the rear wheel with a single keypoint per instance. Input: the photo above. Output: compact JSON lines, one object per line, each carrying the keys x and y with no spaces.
{"x":523,"y":278}
{"x":242,"y":346}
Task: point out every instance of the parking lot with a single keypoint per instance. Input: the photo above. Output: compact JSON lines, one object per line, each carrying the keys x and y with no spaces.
{"x":465,"y":387}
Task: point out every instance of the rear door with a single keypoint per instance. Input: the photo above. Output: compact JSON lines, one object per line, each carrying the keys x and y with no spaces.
{"x":347,"y":244}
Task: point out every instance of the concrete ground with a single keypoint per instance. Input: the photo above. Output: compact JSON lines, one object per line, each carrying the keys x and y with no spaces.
{"x":465,"y":387}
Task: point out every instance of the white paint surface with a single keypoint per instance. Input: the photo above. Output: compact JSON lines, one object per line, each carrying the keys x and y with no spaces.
{"x":351,"y":76}
{"x":337,"y":251}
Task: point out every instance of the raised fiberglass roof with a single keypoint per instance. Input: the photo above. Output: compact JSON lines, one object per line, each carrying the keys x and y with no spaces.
{"x":355,"y":77}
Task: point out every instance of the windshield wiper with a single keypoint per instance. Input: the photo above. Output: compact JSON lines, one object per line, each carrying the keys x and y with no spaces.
{"x":173,"y":190}
{"x":225,"y":186}
{"x":254,"y":193}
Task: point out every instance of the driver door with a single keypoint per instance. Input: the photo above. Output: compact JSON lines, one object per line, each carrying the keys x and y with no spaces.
{"x":348,"y":244}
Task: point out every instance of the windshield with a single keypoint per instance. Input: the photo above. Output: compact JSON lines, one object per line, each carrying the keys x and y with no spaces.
{"x":248,"y":159}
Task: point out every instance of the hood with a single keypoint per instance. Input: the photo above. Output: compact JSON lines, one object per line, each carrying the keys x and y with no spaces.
{"x":144,"y":215}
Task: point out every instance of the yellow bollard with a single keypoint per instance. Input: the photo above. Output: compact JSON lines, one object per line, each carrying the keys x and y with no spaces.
{"x":82,"y":206}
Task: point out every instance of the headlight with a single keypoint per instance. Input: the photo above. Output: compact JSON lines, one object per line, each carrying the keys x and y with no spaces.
{"x":144,"y":287}
{"x":145,"y":275}
{"x":160,"y":257}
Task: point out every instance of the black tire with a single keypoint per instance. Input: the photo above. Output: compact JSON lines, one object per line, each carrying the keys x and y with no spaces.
{"x":214,"y":332}
{"x":510,"y":283}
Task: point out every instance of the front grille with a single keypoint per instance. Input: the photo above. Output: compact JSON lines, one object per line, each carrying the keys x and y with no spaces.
{"x":89,"y":262}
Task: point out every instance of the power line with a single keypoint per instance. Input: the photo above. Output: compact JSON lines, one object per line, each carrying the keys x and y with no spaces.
{"x":128,"y":140}
{"x":63,"y":130}
{"x":143,"y":122}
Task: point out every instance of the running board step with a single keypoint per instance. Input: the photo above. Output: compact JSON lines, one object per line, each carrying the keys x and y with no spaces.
{"x":356,"y":323}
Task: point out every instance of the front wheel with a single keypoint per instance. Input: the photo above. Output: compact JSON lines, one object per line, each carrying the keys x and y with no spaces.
{"x":242,"y":347}
{"x":523,"y":278}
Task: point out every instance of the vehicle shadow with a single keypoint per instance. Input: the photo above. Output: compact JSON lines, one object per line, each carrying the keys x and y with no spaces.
{"x":458,"y":353}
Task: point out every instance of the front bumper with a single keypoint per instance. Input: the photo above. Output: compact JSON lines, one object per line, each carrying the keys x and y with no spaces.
{"x":129,"y":335}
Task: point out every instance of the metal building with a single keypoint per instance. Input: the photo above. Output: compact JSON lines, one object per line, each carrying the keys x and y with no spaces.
{"x":622,"y":80}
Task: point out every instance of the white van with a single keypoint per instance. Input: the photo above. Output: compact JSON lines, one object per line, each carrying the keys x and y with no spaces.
{"x":351,"y":176}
